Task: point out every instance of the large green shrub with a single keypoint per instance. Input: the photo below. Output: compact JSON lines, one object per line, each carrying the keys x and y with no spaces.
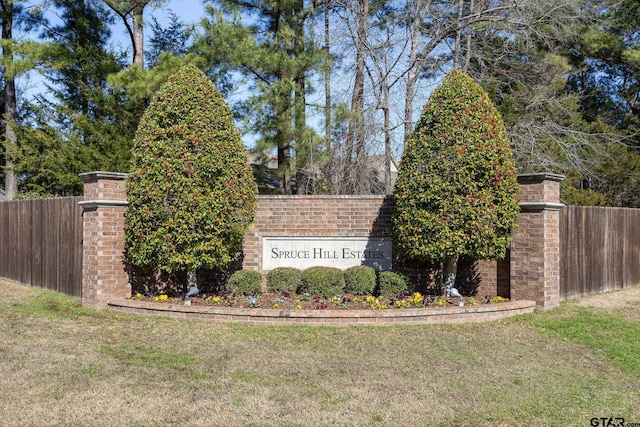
{"x":360,"y":280}
{"x":324,"y":282}
{"x":191,"y":191}
{"x":457,"y":185}
{"x":284,"y":279}
{"x":244,"y":282}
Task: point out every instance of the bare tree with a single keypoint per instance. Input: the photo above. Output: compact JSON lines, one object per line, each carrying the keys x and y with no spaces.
{"x":523,"y":60}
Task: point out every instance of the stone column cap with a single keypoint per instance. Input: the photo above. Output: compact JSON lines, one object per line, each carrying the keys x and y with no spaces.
{"x":540,"y":206}
{"x":532,"y":178}
{"x":96,"y":175}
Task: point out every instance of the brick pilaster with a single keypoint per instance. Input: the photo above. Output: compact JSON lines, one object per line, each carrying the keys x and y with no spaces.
{"x":104,"y":205}
{"x":535,"y":253}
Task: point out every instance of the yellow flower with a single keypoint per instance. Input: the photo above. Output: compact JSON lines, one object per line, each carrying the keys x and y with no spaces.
{"x":417,"y":298}
{"x":374,"y":303}
{"x":401,"y":303}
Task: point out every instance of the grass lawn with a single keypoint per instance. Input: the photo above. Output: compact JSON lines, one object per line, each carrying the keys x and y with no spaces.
{"x":63,"y":365}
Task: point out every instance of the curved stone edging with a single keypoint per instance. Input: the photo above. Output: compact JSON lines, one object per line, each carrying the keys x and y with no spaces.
{"x":262,"y":316}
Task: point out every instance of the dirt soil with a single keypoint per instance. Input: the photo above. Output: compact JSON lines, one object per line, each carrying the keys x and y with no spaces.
{"x":285,"y":301}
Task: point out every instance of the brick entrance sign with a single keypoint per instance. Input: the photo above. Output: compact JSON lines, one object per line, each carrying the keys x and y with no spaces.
{"x":347,"y":220}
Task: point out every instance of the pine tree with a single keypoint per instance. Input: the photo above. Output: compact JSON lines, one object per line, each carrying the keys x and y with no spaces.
{"x":457,"y":185}
{"x":174,"y":39}
{"x":277,"y":57}
{"x":16,"y":59}
{"x":191,"y":191}
{"x":78,"y":114}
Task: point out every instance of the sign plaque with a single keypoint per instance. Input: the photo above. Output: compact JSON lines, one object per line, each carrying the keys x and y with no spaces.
{"x":339,"y":252}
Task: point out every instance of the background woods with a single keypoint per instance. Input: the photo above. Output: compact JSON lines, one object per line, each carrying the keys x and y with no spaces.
{"x":325,"y":92}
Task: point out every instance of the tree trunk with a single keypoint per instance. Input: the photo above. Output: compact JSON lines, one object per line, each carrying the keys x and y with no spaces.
{"x":192,"y":277}
{"x":302,"y":149}
{"x":413,"y":74}
{"x":449,"y":271}
{"x":10,"y":109}
{"x":327,"y":83}
{"x":467,"y":54}
{"x":138,"y":35}
{"x":356,"y":127}
{"x":456,"y":49}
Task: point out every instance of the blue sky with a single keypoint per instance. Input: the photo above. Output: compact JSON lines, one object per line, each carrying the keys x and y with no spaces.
{"x":189,"y":11}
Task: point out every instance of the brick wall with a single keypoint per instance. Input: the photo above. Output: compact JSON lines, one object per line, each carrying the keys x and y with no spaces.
{"x":532,"y":272}
{"x":344,"y":216}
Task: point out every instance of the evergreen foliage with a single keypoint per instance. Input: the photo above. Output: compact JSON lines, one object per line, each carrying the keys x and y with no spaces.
{"x":457,"y":185}
{"x":392,"y":284}
{"x":191,"y":191}
{"x":284,"y":279}
{"x":246,"y":282}
{"x":277,"y":58}
{"x":78,"y":124}
{"x":360,"y":280}
{"x":173,"y":39}
{"x":323,"y":282}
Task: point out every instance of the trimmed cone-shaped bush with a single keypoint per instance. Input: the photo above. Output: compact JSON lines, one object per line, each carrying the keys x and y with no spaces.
{"x":457,"y":185}
{"x":191,"y":191}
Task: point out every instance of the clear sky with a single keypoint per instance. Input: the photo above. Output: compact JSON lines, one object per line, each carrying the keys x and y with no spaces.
{"x":189,"y":10}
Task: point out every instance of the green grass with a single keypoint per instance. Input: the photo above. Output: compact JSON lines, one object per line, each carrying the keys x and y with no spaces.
{"x":617,"y":338}
{"x":61,"y":364}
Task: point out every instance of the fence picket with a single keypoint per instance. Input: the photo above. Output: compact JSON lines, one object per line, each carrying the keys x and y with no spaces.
{"x":42,"y":243}
{"x":599,"y":250}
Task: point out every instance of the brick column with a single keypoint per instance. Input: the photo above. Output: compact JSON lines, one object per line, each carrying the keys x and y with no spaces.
{"x":535,"y":254}
{"x":104,"y":205}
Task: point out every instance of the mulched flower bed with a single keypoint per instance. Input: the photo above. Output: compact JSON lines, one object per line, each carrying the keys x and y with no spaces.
{"x":286,"y":301}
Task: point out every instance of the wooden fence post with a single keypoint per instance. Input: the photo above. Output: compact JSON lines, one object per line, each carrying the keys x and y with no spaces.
{"x":103,"y":273}
{"x":535,"y":245}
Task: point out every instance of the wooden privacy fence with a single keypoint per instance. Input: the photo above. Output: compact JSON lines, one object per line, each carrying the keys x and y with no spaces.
{"x":599,"y":250}
{"x":42,"y":243}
